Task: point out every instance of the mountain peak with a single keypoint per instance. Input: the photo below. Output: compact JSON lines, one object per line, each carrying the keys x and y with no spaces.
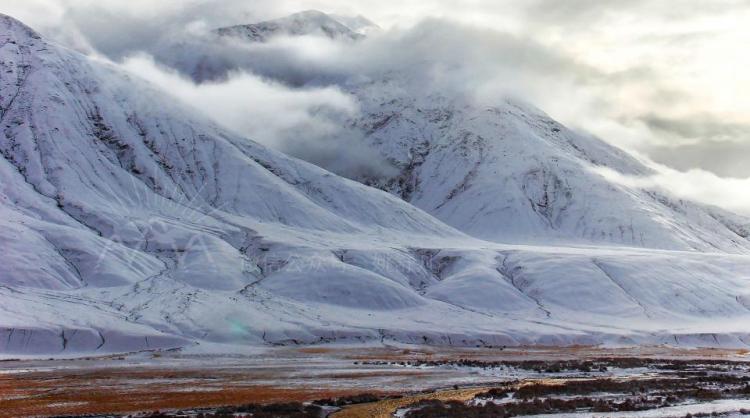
{"x":307,"y":22}
{"x":12,"y":27}
{"x":310,"y":14}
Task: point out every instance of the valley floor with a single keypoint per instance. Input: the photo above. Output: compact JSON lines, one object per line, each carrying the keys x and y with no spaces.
{"x":376,"y":380}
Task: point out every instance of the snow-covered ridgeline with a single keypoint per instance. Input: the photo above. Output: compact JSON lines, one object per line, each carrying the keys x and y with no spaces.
{"x":130,"y":221}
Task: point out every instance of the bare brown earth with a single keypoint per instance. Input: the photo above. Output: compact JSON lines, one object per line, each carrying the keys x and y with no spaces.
{"x":169,"y":381}
{"x":113,"y":391}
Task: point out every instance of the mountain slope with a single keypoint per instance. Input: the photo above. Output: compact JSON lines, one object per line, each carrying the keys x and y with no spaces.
{"x":129,"y":221}
{"x":509,"y":173}
{"x":107,"y":184}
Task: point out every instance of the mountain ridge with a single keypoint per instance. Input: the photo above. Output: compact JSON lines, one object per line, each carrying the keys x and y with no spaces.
{"x":539,"y":181}
{"x":131,"y":222}
{"x":308,"y":22}
{"x":524,"y":177}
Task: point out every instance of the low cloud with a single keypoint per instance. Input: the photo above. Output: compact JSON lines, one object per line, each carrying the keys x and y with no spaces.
{"x":726,"y":158}
{"x":665,"y":86}
{"x":695,"y":185}
{"x":694,"y":128}
{"x":307,"y":123}
{"x":700,"y":141}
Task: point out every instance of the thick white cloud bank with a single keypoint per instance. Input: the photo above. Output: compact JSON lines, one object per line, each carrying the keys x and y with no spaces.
{"x":273,"y":108}
{"x":307,"y":123}
{"x":696,"y":185}
{"x":655,"y":78}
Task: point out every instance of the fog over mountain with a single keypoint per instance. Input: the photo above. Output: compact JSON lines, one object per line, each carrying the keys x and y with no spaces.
{"x":131,"y":221}
{"x":250,"y":177}
{"x":664,"y":88}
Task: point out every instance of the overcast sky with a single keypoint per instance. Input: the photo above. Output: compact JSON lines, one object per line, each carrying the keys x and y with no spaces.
{"x":666,"y":79}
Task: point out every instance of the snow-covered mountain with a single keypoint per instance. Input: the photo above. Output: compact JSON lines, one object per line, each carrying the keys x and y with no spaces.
{"x":509,"y":173}
{"x":130,"y":221}
{"x":212,"y":56}
{"x":309,"y":22}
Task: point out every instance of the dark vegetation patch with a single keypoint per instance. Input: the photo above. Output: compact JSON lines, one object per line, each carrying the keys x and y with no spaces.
{"x":286,"y":410}
{"x":591,"y":395}
{"x":695,"y":385}
{"x":314,"y":409}
{"x":602,"y":364}
{"x":354,"y":399}
{"x":435,"y":408}
{"x":743,"y":412}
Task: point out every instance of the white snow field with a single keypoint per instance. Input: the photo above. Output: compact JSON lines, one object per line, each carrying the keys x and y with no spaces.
{"x":130,"y":221}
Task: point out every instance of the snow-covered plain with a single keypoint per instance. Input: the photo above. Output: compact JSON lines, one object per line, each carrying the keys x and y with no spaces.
{"x":130,"y":221}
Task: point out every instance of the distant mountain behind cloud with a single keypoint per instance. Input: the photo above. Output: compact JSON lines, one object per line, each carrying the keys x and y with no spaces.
{"x":309,"y":22}
{"x":359,"y":23}
{"x":507,"y":172}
